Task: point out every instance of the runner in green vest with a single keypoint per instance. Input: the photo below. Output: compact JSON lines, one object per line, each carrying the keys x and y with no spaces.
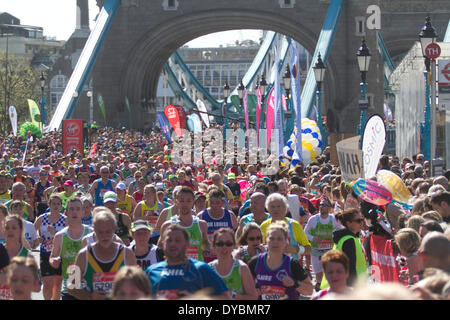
{"x":319,"y":231}
{"x":67,"y":242}
{"x":98,"y":263}
{"x":197,"y":229}
{"x":348,"y":241}
{"x":234,"y":272}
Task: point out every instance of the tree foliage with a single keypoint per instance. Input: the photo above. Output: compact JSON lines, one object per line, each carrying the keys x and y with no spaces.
{"x":20,"y":83}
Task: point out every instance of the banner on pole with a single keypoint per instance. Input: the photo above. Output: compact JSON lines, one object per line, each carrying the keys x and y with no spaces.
{"x":350,"y":158}
{"x":13,"y":118}
{"x":73,"y":136}
{"x":373,"y":142}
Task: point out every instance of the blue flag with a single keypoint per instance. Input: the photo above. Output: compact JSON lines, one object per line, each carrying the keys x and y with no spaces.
{"x":296,"y":93}
{"x":165,"y":125}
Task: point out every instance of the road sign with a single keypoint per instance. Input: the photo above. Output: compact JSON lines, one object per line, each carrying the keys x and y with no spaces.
{"x":433,"y":50}
{"x":444,"y":84}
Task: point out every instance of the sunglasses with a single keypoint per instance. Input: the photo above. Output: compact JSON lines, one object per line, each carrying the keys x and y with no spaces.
{"x":254,"y":238}
{"x":221,"y":244}
{"x":104,"y":172}
{"x":360,"y":220}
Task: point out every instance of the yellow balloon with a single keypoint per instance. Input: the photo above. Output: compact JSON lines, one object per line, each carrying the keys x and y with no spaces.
{"x":313,"y":154}
{"x":395,"y":185}
{"x":304,"y":142}
{"x":309,"y":146}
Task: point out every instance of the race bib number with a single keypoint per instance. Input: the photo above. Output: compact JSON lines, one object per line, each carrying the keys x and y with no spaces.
{"x":273,"y":293}
{"x":103,"y":281}
{"x":5,"y":293}
{"x":48,"y":244}
{"x":168,"y":294}
{"x":192,"y":252}
{"x":325,"y":244}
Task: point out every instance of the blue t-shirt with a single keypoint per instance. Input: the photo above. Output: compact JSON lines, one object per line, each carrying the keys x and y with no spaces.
{"x":192,"y":276}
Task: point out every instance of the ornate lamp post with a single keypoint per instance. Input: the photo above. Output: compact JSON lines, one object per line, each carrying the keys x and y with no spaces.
{"x":363,"y":56}
{"x":319,"y":74}
{"x":428,"y":127}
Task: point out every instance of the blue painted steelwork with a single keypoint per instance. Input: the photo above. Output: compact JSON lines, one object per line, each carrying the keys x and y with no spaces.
{"x":425,"y":126}
{"x":176,"y":58}
{"x":323,"y":46}
{"x":177,"y":88}
{"x":362,"y":120}
{"x":85,"y":64}
{"x":258,"y":62}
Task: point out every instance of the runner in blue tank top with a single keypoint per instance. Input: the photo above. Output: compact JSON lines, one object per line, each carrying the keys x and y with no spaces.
{"x":216,"y":217}
{"x":101,"y":186}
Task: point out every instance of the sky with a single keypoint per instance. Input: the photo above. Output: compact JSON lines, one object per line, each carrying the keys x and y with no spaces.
{"x":57,"y":17}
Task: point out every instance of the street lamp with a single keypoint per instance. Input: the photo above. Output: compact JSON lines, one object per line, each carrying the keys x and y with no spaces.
{"x":363,"y":55}
{"x":91,"y":105}
{"x":319,"y":74}
{"x":240,"y":91}
{"x":428,"y":128}
{"x":226,"y":93}
{"x":263,"y":86}
{"x":42,"y":102}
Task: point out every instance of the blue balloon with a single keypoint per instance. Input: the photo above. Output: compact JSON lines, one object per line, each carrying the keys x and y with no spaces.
{"x":295,"y":162}
{"x":289,"y":143}
{"x":290,"y":152}
{"x":307,"y":130}
{"x":320,"y":144}
{"x":315,"y":135}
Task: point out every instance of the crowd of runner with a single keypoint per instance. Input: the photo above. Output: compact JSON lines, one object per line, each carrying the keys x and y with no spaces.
{"x":123,"y":221}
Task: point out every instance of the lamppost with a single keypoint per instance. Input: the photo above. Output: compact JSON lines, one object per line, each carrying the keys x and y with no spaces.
{"x":363,"y":56}
{"x":428,"y":128}
{"x":91,"y":105}
{"x":226,"y":93}
{"x":263,"y":86}
{"x":287,"y":128}
{"x":42,"y":102}
{"x":240,"y":91}
{"x":319,"y":74}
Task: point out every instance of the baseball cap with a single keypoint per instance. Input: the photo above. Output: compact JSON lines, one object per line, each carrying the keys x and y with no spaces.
{"x":198,"y":195}
{"x":110,"y":196}
{"x":68,"y":183}
{"x":231,"y":175}
{"x":140,"y":224}
{"x":121,"y":186}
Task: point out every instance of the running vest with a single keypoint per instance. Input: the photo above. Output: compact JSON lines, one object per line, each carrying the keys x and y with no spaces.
{"x":69,"y":251}
{"x":99,"y":276}
{"x":245,"y":256}
{"x":213,"y":225}
{"x":269,"y":281}
{"x":5,"y":290}
{"x":66,"y":198}
{"x":47,"y":238}
{"x":126,"y":205}
{"x":148,"y":259}
{"x":25,"y":208}
{"x":325,"y":233}
{"x":101,"y":190}
{"x":5,"y":197}
{"x":194,"y":251}
{"x":292,"y":240}
{"x":233,"y":279}
{"x":150,"y":213}
{"x":361,"y":265}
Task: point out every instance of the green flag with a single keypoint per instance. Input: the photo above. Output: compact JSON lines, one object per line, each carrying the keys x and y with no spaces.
{"x":35,"y":113}
{"x":101,"y":104}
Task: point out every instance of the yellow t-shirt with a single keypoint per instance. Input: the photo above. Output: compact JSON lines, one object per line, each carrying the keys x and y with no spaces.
{"x":297,"y":230}
{"x":5,"y":197}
